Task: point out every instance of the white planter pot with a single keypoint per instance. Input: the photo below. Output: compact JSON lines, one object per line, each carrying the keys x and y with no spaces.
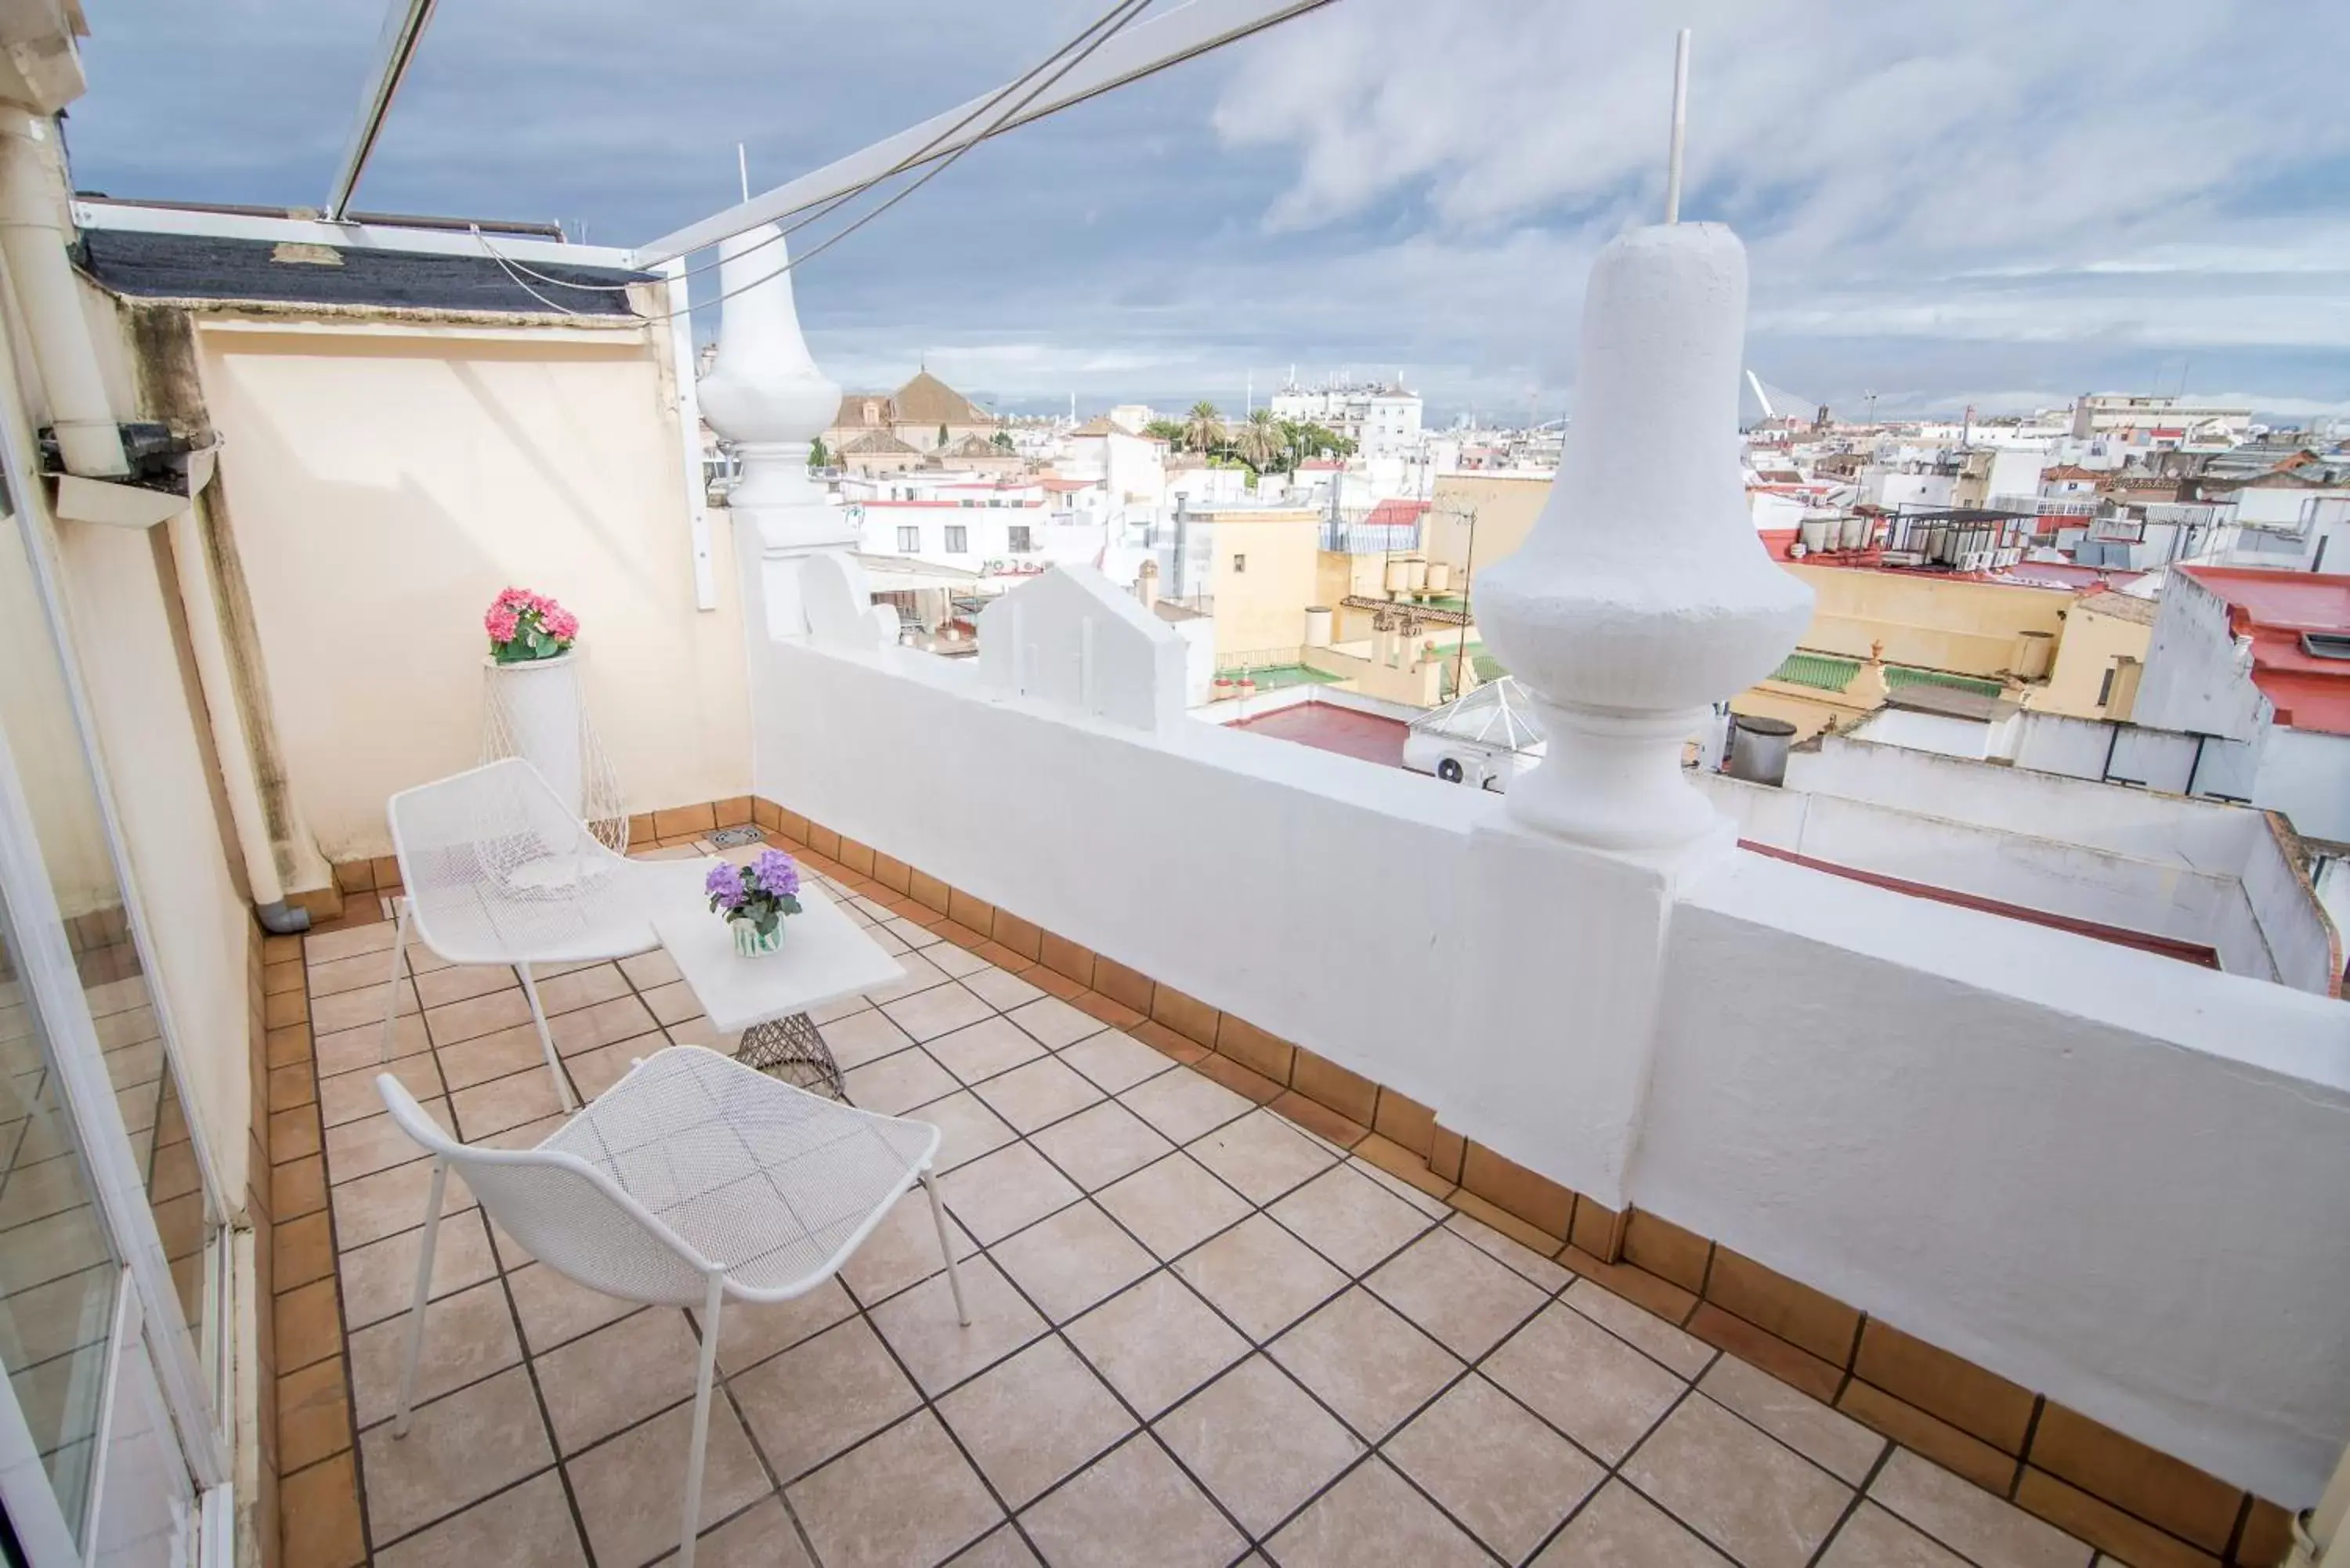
{"x":538,"y":704}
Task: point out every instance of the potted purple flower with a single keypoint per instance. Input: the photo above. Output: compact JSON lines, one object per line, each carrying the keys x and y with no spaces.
{"x":755,"y":898}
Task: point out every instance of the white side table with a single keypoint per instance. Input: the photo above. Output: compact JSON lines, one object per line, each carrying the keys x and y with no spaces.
{"x":826,"y":956}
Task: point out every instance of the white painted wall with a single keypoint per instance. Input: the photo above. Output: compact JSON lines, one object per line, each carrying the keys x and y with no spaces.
{"x":1937,"y":732}
{"x":2196,"y":679}
{"x":2037,"y":873}
{"x":2061,"y":1159}
{"x":2096,"y":1171}
{"x":2305,"y":774}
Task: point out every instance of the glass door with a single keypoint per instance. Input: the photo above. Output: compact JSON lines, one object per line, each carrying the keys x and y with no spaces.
{"x":112,"y":1235}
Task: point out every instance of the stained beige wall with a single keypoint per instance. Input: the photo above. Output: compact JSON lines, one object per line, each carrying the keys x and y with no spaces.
{"x":1263,"y":608}
{"x":1505,"y":504}
{"x":1935,"y":623}
{"x":2091,"y":645}
{"x":198,"y":927}
{"x":383,"y":481}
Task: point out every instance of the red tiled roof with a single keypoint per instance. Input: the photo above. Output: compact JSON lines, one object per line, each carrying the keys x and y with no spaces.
{"x":2274,"y":608}
{"x":1327,"y":727}
{"x":1398,"y":512}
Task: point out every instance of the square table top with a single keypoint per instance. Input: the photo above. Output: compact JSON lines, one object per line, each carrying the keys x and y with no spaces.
{"x":826,"y":956}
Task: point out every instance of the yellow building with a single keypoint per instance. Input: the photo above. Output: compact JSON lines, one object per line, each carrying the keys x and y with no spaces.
{"x":1927,"y":621}
{"x":2099,"y":657}
{"x":1264,"y":572}
{"x":1476,"y":519}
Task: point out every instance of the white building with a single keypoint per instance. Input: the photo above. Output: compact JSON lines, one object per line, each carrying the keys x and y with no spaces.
{"x":1381,"y":419}
{"x":2159,"y":421}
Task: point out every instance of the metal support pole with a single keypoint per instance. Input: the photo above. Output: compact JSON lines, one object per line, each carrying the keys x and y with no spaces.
{"x":1680,"y":126}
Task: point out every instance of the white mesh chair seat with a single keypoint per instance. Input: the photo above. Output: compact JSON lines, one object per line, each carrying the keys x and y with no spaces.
{"x":494,"y":869}
{"x":770,"y":1183}
{"x":693,"y":1180}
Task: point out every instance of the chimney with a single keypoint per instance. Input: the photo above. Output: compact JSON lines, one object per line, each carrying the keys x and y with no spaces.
{"x":1146,"y":585}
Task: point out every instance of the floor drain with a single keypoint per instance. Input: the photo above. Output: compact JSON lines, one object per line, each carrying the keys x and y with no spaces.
{"x":736,"y":837}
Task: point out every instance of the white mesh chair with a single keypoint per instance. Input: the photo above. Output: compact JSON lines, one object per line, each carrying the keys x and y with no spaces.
{"x":497,"y":870}
{"x":692,"y":1180}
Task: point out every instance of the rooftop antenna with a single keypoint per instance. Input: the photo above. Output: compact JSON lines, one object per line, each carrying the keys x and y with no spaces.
{"x":1680,"y":127}
{"x":743,"y":170}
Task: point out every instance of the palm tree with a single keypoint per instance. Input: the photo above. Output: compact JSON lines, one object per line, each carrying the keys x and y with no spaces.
{"x":1258,"y":442}
{"x":1203,"y":427}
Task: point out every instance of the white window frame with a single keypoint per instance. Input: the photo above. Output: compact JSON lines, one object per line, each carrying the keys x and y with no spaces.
{"x":54,"y":979}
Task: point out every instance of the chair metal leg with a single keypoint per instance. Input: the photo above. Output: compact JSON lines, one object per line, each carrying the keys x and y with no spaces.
{"x":712,"y":1302}
{"x":946,"y":1245}
{"x":546,"y":1039}
{"x":391,"y":987}
{"x":416,"y":1307}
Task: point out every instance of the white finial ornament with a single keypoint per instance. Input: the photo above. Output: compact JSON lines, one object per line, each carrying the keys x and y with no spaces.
{"x":1643,"y":595}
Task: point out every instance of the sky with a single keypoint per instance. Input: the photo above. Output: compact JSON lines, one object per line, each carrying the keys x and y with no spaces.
{"x":2002,"y":203}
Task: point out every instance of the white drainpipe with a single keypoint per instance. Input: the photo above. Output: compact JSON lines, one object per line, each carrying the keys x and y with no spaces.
{"x":34,"y":240}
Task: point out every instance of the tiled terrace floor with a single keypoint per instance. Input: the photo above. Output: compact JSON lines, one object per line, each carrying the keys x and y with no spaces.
{"x":1200,"y":1335}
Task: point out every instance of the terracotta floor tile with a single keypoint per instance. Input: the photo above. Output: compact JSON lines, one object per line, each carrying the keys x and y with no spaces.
{"x":1001,"y":990}
{"x":360,"y":1049}
{"x":1034,"y":1418}
{"x":1685,"y":1353}
{"x":983,"y":1049}
{"x":1260,"y":1276}
{"x":1499,"y":1470}
{"x":617,"y":1376}
{"x":941,"y":1352}
{"x":1621,"y":1529}
{"x":555,"y":1310}
{"x":376,"y":1143}
{"x":309,"y":1327}
{"x":1172,"y":1205}
{"x":1134,"y":1507}
{"x":818,"y":1398}
{"x":1374,"y":1517}
{"x":631,"y":1490}
{"x":897,"y":1084}
{"x":390,"y":1201}
{"x":1984,"y":1529}
{"x":1545,"y":1274}
{"x":1836,"y":1442}
{"x":750,"y":1332}
{"x":1070,"y":1262}
{"x":1183,"y":1104}
{"x":459,"y":1450}
{"x":319,"y":1507}
{"x":1102,"y":1144}
{"x":1452,"y":1291}
{"x":940,"y":1010}
{"x":460,"y":983}
{"x":487,"y":1109}
{"x":761,"y":1536}
{"x":999,"y":1193}
{"x":356,"y":1009}
{"x":358,"y":973}
{"x":1873,"y":1537}
{"x":1755,"y":1499}
{"x":671,"y":1003}
{"x":1054,"y":1022}
{"x":1584,"y":1381}
{"x":352,"y":1095}
{"x":1349,"y":1219}
{"x":467,"y":1336}
{"x":959,"y":961}
{"x":907,"y":1497}
{"x":325,"y":946}
{"x":967,"y":1129}
{"x":586,"y":1028}
{"x":314,"y":1414}
{"x":920,"y":974}
{"x":1366,"y":1363}
{"x":1259,"y":1442}
{"x":1003,"y":1549}
{"x":1261,"y":1157}
{"x":863,"y":1037}
{"x":1156,"y":1341}
{"x":481,"y":1015}
{"x":648,"y":969}
{"x":1115,"y":1061}
{"x":495,"y":1055}
{"x":529,"y":1526}
{"x":901,"y":1251}
{"x":1038,"y":1094}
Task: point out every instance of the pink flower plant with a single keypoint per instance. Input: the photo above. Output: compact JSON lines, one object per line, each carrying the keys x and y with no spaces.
{"x":525,"y":625}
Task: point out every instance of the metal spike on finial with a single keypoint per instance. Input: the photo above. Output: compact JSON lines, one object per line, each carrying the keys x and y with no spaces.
{"x":1680,"y":126}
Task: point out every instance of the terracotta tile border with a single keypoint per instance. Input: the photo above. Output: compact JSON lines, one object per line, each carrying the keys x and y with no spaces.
{"x":2117,"y":1494}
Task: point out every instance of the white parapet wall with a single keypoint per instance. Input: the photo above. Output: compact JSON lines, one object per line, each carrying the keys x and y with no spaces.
{"x":2103,"y":1174}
